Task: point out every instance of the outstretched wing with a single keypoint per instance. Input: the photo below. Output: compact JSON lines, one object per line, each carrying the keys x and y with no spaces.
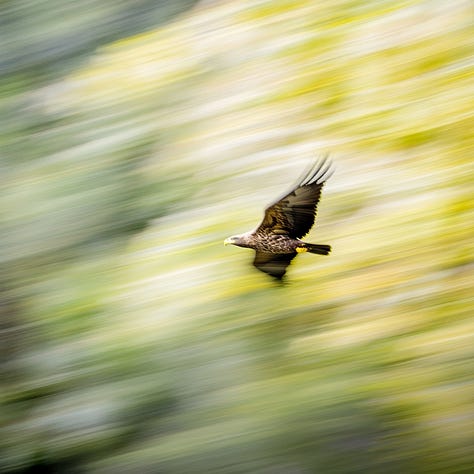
{"x":294,"y":214}
{"x":273,"y":263}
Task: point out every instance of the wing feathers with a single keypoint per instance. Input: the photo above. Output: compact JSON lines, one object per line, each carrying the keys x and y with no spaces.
{"x":272,"y":263}
{"x":294,"y":214}
{"x":321,"y":172}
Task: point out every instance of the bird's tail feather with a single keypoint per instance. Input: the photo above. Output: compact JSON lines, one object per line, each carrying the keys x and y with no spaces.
{"x":320,"y":249}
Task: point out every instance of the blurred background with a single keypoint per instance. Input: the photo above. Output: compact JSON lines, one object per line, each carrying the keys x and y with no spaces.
{"x":136,"y":136}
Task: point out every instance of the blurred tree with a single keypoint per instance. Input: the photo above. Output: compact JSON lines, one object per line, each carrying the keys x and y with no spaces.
{"x":131,"y":341}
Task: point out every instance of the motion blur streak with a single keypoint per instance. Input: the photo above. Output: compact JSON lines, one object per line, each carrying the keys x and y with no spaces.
{"x":136,"y":136}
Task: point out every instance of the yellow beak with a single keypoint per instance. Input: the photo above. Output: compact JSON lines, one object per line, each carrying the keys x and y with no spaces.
{"x":227,"y":241}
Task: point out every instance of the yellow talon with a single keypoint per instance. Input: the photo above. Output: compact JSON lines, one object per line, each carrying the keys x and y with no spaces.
{"x":301,"y":249}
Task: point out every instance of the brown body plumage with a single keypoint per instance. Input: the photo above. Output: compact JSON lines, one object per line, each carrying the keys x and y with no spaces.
{"x":276,"y":240}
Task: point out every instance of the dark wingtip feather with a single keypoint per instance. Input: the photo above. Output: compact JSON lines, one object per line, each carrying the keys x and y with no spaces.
{"x":319,"y":172}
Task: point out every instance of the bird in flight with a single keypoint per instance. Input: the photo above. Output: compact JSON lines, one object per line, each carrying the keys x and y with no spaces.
{"x":276,"y":240}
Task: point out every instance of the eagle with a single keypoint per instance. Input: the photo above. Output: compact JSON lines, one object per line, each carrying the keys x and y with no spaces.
{"x":276,"y":240}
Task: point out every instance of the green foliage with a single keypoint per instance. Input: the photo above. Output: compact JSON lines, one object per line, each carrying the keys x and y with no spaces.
{"x":133,"y":341}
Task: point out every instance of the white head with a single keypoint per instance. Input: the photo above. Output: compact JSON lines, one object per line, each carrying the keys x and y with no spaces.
{"x":239,"y":240}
